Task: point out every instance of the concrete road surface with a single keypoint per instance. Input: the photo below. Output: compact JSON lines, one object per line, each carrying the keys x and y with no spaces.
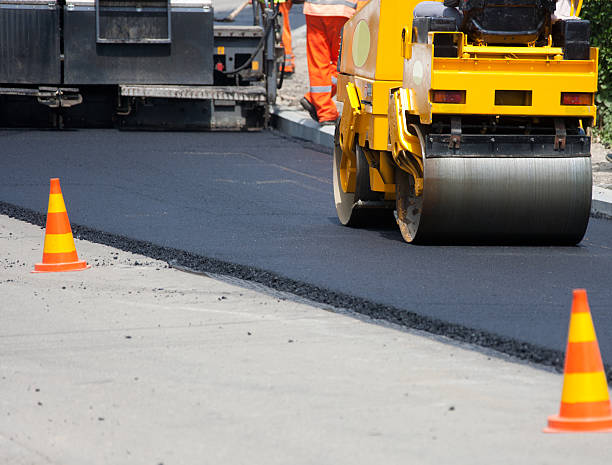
{"x":130,"y":362}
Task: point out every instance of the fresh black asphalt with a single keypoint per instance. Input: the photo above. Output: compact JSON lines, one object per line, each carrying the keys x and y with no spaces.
{"x":264,"y":203}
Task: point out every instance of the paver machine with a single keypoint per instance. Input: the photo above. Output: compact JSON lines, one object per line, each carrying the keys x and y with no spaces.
{"x":466,"y":119}
{"x":159,"y":64}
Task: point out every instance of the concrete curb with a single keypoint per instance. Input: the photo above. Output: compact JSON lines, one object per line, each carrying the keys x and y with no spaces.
{"x":300,"y":125}
{"x":601,"y":205}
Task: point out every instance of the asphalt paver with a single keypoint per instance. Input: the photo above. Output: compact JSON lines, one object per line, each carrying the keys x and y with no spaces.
{"x":133,"y":362}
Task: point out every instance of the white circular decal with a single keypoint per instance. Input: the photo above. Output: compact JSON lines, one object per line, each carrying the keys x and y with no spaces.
{"x":361,"y":44}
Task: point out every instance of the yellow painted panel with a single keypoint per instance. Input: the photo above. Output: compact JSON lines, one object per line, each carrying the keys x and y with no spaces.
{"x":581,"y":328}
{"x":385,"y":20}
{"x":585,"y":387}
{"x":546,"y":88}
{"x":56,"y":204}
{"x":343,"y":80}
{"x":379,"y":133}
{"x":395,"y":15}
{"x":368,"y":14}
{"x":546,"y":79}
{"x":59,"y":243}
{"x":523,"y":64}
{"x":376,"y":181}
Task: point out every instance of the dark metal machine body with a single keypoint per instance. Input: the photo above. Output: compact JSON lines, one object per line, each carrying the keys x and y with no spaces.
{"x":134,"y":63}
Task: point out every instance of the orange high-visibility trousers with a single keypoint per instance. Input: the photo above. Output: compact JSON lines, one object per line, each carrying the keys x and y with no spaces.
{"x":284,"y":9}
{"x":322,"y":47}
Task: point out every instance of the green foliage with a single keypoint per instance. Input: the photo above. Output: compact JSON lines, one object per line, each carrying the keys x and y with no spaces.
{"x":599,"y":12}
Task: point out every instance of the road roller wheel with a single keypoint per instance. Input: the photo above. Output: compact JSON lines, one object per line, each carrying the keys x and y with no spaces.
{"x":495,"y":199}
{"x":356,"y":204}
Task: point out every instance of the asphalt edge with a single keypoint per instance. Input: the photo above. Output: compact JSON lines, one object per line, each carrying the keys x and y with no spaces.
{"x":479,"y":339}
{"x":298,"y":124}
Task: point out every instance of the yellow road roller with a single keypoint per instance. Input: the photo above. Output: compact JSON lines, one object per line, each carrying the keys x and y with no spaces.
{"x":468,"y":120}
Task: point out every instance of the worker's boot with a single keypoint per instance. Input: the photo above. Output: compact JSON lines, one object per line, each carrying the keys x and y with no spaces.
{"x":310,"y":108}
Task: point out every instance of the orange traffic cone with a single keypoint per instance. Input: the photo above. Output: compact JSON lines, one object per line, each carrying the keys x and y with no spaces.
{"x":59,"y":253}
{"x":585,"y":402}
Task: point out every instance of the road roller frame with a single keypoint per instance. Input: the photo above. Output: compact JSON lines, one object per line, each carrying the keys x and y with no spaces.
{"x":421,"y":107}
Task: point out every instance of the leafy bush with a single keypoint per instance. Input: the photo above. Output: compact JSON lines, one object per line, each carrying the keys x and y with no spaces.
{"x":599,"y":12}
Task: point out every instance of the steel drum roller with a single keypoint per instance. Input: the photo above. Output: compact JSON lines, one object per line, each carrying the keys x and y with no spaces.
{"x":493,"y":198}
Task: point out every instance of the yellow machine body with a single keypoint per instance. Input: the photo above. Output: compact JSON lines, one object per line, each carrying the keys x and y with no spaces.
{"x":387,"y":82}
{"x":482,"y":72}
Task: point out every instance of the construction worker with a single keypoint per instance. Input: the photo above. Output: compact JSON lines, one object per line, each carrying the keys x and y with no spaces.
{"x":324,"y":22}
{"x":284,"y":7}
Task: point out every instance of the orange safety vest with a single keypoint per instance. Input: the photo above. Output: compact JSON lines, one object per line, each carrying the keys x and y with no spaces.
{"x":344,"y":8}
